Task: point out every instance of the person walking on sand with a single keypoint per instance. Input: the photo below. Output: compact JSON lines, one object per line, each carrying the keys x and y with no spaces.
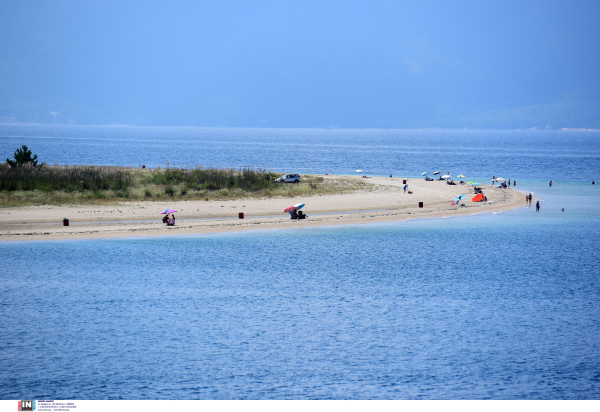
{"x":508,"y":182}
{"x":514,"y":183}
{"x":537,"y":206}
{"x":405,"y":187}
{"x":551,"y":183}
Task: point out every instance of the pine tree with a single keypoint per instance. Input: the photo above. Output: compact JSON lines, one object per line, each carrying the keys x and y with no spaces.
{"x":22,"y":156}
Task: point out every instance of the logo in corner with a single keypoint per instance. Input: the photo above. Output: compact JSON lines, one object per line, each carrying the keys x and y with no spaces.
{"x":27,"y":405}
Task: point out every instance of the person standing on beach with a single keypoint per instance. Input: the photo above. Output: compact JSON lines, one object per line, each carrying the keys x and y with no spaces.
{"x":514,"y":183}
{"x":537,"y":206}
{"x":551,"y":183}
{"x":509,"y":182}
{"x":405,"y":186}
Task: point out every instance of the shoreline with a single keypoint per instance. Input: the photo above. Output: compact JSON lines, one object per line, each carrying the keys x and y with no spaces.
{"x":381,"y":200}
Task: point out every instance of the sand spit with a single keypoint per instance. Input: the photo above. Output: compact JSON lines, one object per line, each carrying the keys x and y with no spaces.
{"x":383,"y":199}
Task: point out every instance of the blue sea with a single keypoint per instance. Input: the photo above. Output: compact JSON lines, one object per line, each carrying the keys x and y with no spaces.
{"x":490,"y":306}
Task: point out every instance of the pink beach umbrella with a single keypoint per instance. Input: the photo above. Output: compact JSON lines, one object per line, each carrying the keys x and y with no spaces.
{"x":167,"y":211}
{"x":290,"y":209}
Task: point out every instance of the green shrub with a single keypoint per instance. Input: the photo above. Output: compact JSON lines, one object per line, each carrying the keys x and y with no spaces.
{"x":169,"y":190}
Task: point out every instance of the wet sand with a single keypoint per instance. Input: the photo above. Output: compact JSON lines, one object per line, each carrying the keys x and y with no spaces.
{"x":383,"y":199}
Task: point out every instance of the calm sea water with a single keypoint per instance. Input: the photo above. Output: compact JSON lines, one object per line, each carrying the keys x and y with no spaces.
{"x":530,"y":155}
{"x":501,"y":306}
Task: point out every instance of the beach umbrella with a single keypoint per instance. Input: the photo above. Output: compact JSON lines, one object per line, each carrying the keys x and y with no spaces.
{"x":166,"y":211}
{"x":471,"y":182}
{"x":436,"y":173}
{"x":290,"y":209}
{"x":461,"y":176}
{"x":478,"y":198}
{"x":446,"y":176}
{"x":500,"y":179}
{"x":299,"y":205}
{"x":359,"y":171}
{"x":459,"y":198}
{"x":475,"y":184}
{"x":425,"y":173}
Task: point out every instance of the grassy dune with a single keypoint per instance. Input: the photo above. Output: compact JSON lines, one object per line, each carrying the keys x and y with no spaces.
{"x":28,"y":185}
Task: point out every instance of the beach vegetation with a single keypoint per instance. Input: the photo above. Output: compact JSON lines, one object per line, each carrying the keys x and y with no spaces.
{"x":29,"y":184}
{"x":169,"y":190}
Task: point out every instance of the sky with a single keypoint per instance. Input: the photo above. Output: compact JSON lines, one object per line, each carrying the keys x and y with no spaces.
{"x":348,"y":64}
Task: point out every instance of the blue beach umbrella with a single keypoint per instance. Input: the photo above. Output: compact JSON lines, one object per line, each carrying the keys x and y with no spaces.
{"x":299,"y":206}
{"x":425,"y":173}
{"x":459,"y":198}
{"x":475,"y":184}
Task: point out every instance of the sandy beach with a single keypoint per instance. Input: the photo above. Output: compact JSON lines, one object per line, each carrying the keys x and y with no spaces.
{"x":383,"y":199}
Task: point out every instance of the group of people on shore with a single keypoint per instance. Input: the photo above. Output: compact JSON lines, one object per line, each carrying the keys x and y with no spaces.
{"x":169,"y":221}
{"x":504,"y":184}
{"x":297,"y":214}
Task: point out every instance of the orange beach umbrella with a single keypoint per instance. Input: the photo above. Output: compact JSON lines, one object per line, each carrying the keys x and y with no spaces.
{"x":478,"y":198}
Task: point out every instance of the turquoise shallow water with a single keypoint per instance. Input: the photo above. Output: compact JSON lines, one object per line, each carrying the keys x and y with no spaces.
{"x":501,"y":306}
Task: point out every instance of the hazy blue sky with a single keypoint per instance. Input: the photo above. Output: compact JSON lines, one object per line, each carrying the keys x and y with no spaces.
{"x":497,"y":64}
